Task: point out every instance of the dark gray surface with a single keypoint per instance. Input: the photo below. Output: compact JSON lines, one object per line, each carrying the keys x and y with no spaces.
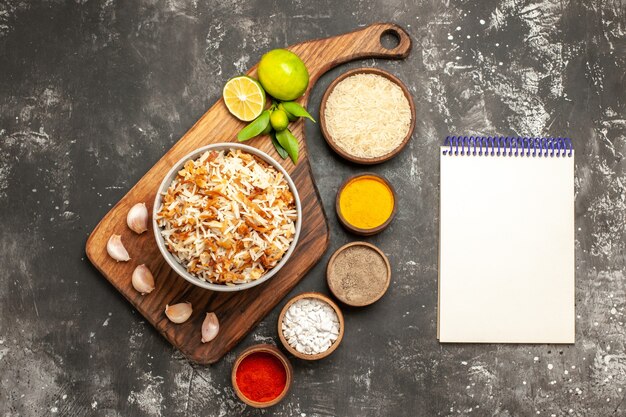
{"x":92,"y":93}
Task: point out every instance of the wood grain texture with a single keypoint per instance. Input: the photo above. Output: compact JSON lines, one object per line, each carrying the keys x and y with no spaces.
{"x":238,"y":312}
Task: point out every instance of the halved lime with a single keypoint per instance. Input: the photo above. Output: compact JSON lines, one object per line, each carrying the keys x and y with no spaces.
{"x":244,"y":97}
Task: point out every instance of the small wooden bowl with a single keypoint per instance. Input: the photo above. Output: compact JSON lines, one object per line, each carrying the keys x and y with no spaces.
{"x":358,"y":230}
{"x":286,"y":344}
{"x":331,"y":264}
{"x":331,"y":142}
{"x":265,"y":348}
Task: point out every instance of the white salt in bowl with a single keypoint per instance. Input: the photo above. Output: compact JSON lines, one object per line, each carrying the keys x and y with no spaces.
{"x":173,"y":262}
{"x":333,"y":346}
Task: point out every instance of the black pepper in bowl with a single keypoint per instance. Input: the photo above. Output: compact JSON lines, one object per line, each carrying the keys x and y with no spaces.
{"x":358,"y":274}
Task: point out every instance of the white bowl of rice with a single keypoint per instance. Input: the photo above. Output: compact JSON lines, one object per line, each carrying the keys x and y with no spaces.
{"x":227,"y":217}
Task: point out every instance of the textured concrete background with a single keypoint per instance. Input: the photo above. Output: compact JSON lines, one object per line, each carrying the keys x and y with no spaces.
{"x":92,"y":93}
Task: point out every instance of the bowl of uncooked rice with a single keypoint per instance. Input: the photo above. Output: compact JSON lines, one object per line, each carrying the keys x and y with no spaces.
{"x":227,"y":217}
{"x":367,"y":115}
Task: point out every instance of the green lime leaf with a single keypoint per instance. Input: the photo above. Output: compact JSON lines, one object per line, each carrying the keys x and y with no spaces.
{"x":255,"y":128}
{"x":290,"y":116}
{"x":297,"y":110}
{"x":281,"y":151}
{"x":267,"y":130}
{"x":288,"y":141}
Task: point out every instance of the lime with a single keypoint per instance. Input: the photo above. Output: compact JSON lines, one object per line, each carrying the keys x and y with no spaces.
{"x":290,"y":116}
{"x":244,"y":97}
{"x":283,"y":74}
{"x":279,"y":120}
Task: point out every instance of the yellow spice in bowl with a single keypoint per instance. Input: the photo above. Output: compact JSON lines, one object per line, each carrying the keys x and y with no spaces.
{"x":366,"y":202}
{"x":367,"y":115}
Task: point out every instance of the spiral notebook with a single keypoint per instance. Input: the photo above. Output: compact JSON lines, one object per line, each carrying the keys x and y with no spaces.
{"x":506,"y":247}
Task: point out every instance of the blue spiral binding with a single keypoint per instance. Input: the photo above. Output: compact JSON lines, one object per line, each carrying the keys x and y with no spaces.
{"x":508,"y":146}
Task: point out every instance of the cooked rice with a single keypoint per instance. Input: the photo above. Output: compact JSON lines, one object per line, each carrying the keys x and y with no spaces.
{"x":228,"y":217}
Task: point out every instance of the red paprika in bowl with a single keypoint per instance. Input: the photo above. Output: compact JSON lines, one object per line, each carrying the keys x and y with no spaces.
{"x":261,"y":376}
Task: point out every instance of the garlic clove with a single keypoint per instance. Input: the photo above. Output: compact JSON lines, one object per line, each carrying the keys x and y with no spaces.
{"x":137,"y":218}
{"x":210,"y":327}
{"x":142,"y":280}
{"x":178,"y":313}
{"x":116,"y":249}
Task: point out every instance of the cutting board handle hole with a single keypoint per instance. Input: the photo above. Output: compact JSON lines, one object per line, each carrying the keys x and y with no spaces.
{"x":390,"y":39}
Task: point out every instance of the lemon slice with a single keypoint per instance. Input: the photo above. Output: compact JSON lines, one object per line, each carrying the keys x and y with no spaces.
{"x":244,"y":97}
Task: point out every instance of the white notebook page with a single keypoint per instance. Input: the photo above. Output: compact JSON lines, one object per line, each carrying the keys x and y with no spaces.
{"x":506,"y":249}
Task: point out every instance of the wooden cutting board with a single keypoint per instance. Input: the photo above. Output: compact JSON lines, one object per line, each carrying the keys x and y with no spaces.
{"x":238,"y":312}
